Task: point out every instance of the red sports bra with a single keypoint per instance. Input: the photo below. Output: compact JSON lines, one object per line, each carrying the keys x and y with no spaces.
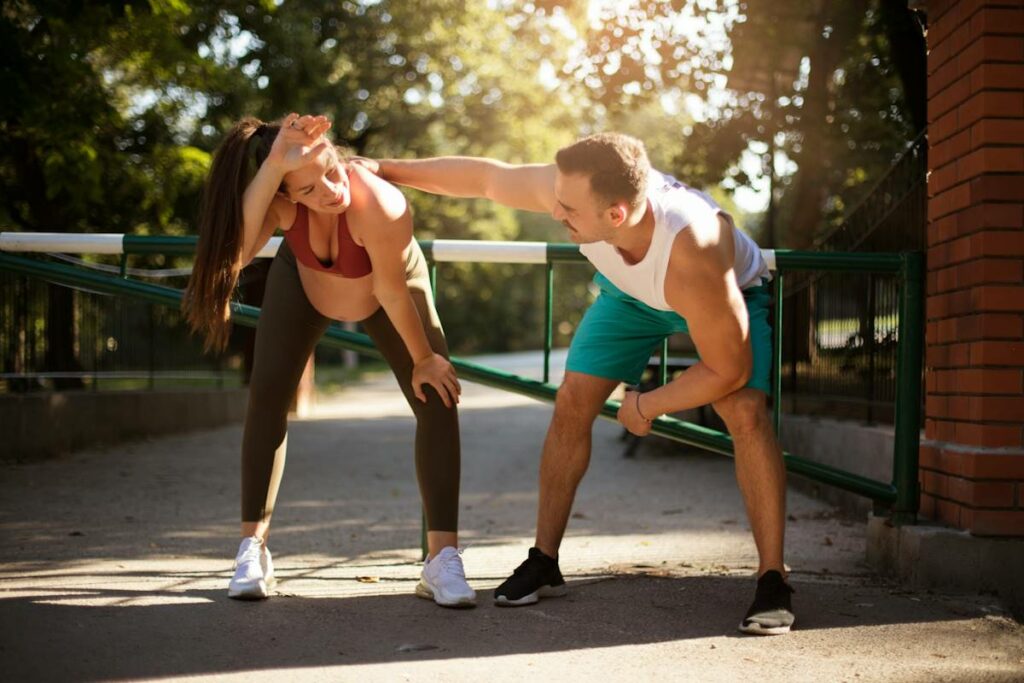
{"x":353,"y":261}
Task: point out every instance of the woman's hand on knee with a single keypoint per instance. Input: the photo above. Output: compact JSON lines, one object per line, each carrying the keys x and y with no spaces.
{"x":438,"y":372}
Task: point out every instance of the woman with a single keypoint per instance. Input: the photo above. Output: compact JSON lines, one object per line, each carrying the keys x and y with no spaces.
{"x":348,"y":255}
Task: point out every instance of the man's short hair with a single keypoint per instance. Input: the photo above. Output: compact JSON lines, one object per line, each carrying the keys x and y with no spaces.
{"x":616,"y":164}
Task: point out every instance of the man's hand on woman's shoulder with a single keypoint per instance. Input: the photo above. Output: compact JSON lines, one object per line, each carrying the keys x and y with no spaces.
{"x":371,"y":165}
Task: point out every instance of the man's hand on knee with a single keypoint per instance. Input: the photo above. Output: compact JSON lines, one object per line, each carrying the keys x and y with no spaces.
{"x":631,"y":416}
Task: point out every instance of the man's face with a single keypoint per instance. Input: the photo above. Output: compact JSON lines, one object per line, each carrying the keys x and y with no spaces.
{"x":587,"y":217}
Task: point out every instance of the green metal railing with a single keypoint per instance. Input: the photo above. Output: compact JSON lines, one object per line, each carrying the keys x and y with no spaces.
{"x":899,"y":496}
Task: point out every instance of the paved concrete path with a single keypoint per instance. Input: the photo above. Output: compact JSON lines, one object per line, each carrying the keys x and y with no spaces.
{"x":113,"y":565}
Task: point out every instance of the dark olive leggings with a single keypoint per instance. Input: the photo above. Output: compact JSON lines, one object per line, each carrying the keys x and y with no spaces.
{"x":288,"y":329}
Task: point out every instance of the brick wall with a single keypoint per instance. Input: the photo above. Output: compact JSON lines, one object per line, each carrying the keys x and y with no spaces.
{"x":972,"y":459}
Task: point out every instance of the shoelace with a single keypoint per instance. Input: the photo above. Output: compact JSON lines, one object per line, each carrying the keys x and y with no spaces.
{"x":252,"y":554}
{"x":452,"y":563}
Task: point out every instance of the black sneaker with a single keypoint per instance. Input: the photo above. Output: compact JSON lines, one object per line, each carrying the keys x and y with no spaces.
{"x":772,"y":611}
{"x":537,"y":577}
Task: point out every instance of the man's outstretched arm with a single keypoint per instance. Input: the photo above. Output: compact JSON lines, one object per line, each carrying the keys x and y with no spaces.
{"x":530,"y":187}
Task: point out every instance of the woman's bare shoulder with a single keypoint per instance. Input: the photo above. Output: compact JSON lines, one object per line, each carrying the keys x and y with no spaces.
{"x":374,"y":195}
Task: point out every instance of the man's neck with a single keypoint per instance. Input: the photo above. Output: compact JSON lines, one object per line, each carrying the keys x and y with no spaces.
{"x":634,"y":237}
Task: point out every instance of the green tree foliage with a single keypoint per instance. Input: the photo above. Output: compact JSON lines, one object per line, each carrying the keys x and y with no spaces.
{"x":75,"y":155}
{"x":80,"y":150}
{"x":820,"y":85}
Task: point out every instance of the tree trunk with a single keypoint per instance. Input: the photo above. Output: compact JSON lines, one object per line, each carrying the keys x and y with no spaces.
{"x":60,"y":336}
{"x":44,"y":214}
{"x":909,"y":54}
{"x":811,"y":187}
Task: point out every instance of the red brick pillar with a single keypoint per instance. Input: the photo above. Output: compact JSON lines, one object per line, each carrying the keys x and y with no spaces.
{"x":972,"y":459}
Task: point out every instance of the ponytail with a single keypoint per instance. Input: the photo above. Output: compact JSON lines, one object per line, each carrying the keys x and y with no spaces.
{"x":219,"y":253}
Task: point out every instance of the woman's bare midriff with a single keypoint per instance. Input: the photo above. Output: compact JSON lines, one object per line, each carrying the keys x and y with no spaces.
{"x":339,"y":298}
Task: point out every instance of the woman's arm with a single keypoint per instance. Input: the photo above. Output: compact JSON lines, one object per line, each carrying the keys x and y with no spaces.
{"x":260,"y":217}
{"x":295,"y":145}
{"x":382,"y":214}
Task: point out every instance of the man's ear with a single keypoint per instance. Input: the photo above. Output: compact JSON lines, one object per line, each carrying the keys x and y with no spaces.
{"x":617,"y":213}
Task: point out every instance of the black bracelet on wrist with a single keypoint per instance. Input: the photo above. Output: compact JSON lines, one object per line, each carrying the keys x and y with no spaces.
{"x":638,"y":411}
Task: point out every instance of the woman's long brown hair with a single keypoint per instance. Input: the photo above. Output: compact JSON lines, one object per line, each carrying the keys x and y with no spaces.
{"x":219,"y":253}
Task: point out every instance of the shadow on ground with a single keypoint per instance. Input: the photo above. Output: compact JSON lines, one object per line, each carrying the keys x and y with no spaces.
{"x":117,"y":634}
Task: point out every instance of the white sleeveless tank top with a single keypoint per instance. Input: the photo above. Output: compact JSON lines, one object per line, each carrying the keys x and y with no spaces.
{"x":675,"y":206}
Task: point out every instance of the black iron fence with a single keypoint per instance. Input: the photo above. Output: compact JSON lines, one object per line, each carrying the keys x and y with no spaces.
{"x":839,"y":331}
{"x":893,"y":214}
{"x":55,"y":337}
{"x":839,"y":347}
{"x":838,"y":353}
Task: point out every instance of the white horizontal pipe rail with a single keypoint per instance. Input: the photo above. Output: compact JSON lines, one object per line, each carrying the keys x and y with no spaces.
{"x":444,"y":251}
{"x":480,"y":251}
{"x":62,"y":243}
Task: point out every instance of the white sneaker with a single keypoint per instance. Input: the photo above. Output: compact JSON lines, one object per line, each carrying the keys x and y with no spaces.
{"x":444,"y":580}
{"x":254,"y":571}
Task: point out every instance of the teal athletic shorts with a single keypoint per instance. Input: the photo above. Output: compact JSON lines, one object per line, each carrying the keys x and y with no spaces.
{"x":618,"y":334}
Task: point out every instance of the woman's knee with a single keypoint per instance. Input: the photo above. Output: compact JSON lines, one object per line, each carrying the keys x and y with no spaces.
{"x":433,"y":409}
{"x":271,"y":391}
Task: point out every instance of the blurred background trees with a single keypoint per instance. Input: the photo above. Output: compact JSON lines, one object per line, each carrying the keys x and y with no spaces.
{"x":786,"y":111}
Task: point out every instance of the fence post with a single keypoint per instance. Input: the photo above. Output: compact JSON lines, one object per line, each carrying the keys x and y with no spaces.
{"x":152,"y":348}
{"x":663,"y":366}
{"x":549,"y":293}
{"x":870,"y":343}
{"x":777,"y":355}
{"x":908,"y":390}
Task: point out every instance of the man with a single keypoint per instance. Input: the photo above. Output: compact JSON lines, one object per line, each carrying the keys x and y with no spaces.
{"x":668,"y":260}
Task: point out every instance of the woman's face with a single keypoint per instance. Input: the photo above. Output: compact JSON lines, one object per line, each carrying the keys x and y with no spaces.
{"x":321,"y":185}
